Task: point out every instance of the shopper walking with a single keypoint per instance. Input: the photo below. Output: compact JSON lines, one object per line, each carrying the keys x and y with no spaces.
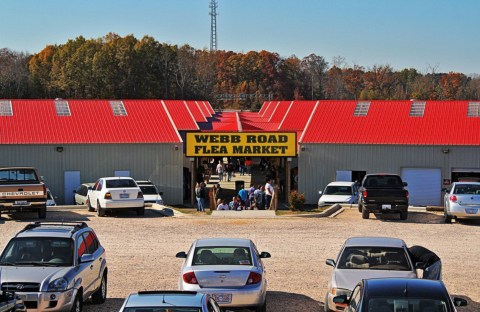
{"x":220,"y":170}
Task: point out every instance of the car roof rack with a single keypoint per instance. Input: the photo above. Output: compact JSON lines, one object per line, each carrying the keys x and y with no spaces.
{"x":167,"y":292}
{"x":77,"y":225}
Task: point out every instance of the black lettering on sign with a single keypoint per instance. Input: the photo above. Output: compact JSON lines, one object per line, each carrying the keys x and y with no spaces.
{"x":262,"y":139}
{"x":201,"y":138}
{"x":256,"y":149}
{"x":251,"y":139}
{"x":237,"y":149}
{"x":265,"y":149}
{"x":214,"y":139}
{"x":198,"y":148}
{"x":247,"y":149}
{"x":282,"y":139}
{"x":272,"y":139}
{"x":235,"y":139}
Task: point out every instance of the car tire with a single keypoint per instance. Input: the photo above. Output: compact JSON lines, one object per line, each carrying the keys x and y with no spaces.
{"x":360,"y":207}
{"x":100,"y":210}
{"x":141,"y":211}
{"x":42,"y":212}
{"x":77,"y":305}
{"x":365,"y":213}
{"x":90,"y":208}
{"x":403,"y":215}
{"x":262,"y":308}
{"x":448,"y":218}
{"x":325,"y":305}
{"x":100,"y":295}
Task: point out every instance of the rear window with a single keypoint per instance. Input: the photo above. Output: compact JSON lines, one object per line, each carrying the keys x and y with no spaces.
{"x":148,"y":189}
{"x":169,"y":309}
{"x":407,"y":304}
{"x":18,"y":176}
{"x":383,"y":181}
{"x":374,"y":258}
{"x":338,"y":190}
{"x":222,"y":255}
{"x":471,"y":189}
{"x":120,"y":183}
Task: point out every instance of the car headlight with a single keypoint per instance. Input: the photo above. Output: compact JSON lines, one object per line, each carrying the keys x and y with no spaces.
{"x":341,"y":291}
{"x":160,"y":201}
{"x":60,"y":284}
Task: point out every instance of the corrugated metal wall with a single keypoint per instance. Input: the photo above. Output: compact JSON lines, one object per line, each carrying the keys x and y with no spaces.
{"x":318,"y":163}
{"x":159,"y":163}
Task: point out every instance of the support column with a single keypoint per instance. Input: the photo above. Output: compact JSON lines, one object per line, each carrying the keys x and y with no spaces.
{"x":288,"y":177}
{"x":193,"y":179}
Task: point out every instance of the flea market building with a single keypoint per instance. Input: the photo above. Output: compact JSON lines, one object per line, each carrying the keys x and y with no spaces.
{"x":429,"y":143}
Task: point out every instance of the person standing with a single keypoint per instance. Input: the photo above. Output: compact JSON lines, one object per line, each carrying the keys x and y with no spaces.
{"x":268,"y":193}
{"x":229,"y":169}
{"x":248,"y":163}
{"x":432,"y":264}
{"x":243,"y":193}
{"x":242,"y":166}
{"x":220,"y":170}
{"x":200,"y":195}
{"x":259,"y":197}
{"x":218,"y":193}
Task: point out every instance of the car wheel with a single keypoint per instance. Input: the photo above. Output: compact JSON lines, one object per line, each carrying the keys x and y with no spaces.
{"x":365,"y":213}
{"x":403,"y":215}
{"x":325,"y":305}
{"x":77,"y":304}
{"x":448,"y":218}
{"x":141,"y":211}
{"x":90,"y":208}
{"x":42,"y":212}
{"x":360,"y":207}
{"x":100,"y":295}
{"x":262,"y":308}
{"x":100,"y":210}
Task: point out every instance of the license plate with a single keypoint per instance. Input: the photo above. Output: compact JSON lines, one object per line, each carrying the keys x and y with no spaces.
{"x":124,"y":195}
{"x":386,"y":207}
{"x":21,"y":202}
{"x":471,"y":210}
{"x":222,"y":298}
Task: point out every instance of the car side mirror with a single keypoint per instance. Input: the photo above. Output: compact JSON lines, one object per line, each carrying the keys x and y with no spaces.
{"x":342,"y":299}
{"x":181,"y":254}
{"x":265,"y":254}
{"x":19,"y":308}
{"x":89,"y":188}
{"x":87,"y":258}
{"x":330,"y":262}
{"x":42,"y":178}
{"x":420,"y":265}
{"x":320,"y":192}
{"x":405,"y":184}
{"x":161,"y":193}
{"x":459,"y":302}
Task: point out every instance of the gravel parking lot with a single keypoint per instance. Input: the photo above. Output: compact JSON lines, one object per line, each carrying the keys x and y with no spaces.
{"x":141,"y":250}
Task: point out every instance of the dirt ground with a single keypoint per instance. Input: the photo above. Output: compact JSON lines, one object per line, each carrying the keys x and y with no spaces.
{"x":141,"y":250}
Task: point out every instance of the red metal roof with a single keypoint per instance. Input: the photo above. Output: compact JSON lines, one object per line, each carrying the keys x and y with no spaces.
{"x":227,"y":121}
{"x":204,"y":109}
{"x":389,"y":122}
{"x":209,"y":107}
{"x":91,"y":121}
{"x":196,"y":112}
{"x":280,"y":111}
{"x":264,"y":107}
{"x":181,"y":116}
{"x":270,"y":109}
{"x":297,"y":116}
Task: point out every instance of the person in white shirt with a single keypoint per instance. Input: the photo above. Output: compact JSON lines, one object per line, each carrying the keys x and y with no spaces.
{"x":268,"y":193}
{"x":220,"y":170}
{"x":223,"y":206}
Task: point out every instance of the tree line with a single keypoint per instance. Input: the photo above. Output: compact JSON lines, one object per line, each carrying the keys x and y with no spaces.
{"x":115,"y":67}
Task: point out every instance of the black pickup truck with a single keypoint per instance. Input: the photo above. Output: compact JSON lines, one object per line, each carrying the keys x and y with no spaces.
{"x":383,"y":193}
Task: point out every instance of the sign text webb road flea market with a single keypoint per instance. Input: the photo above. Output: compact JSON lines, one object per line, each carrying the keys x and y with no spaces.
{"x":279,"y":144}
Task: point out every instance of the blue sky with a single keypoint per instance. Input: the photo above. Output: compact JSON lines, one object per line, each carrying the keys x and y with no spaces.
{"x":442,"y":34}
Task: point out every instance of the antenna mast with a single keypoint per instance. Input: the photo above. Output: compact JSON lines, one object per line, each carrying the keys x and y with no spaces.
{"x":213,"y":25}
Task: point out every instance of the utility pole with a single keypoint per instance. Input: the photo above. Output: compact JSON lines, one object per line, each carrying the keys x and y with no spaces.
{"x":213,"y":25}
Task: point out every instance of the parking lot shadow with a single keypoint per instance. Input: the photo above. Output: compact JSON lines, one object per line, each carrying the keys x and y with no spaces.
{"x":290,"y":302}
{"x":413,"y":217}
{"x":51,"y":216}
{"x":110,"y":305}
{"x":472,"y":306}
{"x":469,"y":222}
{"x":149,"y":214}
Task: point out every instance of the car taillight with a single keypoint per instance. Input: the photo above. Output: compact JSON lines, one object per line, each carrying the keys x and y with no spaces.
{"x":407,"y":194}
{"x":45,"y":190}
{"x":140,"y":195}
{"x":190,"y":278}
{"x":364,"y":193}
{"x":108,"y":195}
{"x":254,"y":278}
{"x":453,"y":198}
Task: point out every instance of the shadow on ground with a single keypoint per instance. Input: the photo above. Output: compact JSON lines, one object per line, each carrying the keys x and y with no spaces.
{"x":291,"y":302}
{"x":51,"y":216}
{"x":110,"y":305}
{"x":413,"y":217}
{"x":472,"y":306}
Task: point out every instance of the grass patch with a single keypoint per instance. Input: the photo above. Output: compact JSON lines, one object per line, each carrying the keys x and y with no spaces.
{"x":306,"y":210}
{"x":193,"y":211}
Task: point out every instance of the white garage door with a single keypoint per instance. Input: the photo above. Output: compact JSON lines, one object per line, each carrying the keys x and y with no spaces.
{"x":424,"y":185}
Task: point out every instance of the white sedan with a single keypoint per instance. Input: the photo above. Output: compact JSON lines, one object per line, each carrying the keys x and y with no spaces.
{"x":115,"y":193}
{"x":462,"y":201}
{"x":339,"y":192}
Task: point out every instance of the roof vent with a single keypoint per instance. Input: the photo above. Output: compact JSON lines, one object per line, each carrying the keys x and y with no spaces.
{"x":118,"y":108}
{"x":62,"y":108}
{"x":362,"y":108}
{"x":6,"y":108}
{"x":417,"y":109}
{"x":473,"y":109}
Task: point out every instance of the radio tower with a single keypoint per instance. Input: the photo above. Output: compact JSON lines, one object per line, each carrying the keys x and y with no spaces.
{"x":213,"y":25}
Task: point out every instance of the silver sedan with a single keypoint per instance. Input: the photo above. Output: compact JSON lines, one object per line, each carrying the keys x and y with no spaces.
{"x":230,"y":270}
{"x":462,"y":201}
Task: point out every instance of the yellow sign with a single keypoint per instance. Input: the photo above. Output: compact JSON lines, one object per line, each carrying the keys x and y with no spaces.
{"x":273,"y":144}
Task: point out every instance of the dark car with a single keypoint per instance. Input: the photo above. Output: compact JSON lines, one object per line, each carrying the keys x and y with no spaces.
{"x":383,"y":193}
{"x":399,"y":295}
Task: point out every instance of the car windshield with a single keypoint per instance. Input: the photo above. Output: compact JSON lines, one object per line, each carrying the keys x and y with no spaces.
{"x":148,"y":190}
{"x":470,"y":189}
{"x":338,"y":190}
{"x":374,"y":258}
{"x":167,"y":309}
{"x":18,"y":175}
{"x":406,"y":304}
{"x":119,"y":183}
{"x":383,"y":181}
{"x":38,"y":251}
{"x":222,"y":255}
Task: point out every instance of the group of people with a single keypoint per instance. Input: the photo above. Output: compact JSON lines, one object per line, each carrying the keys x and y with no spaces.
{"x":226,"y":171}
{"x":254,"y":198}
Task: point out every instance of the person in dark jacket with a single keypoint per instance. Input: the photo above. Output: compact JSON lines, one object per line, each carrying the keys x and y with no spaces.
{"x":432,"y":264}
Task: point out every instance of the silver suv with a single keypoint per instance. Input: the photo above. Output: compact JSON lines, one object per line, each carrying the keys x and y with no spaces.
{"x":55,"y":266}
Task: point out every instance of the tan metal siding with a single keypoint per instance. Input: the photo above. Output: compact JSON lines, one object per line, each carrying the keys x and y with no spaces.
{"x":160,"y":163}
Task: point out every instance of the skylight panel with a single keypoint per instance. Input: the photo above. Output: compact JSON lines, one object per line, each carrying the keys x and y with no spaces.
{"x":417,"y":109}
{"x":473,"y":109}
{"x":118,"y":108}
{"x":6,"y":108}
{"x":362,"y":108}
{"x":62,"y":108}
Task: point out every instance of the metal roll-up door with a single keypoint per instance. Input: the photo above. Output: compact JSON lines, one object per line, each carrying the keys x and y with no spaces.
{"x":424,"y":186}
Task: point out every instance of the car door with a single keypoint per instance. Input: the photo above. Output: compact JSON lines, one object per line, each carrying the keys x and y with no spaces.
{"x":95,"y":193}
{"x":95,"y":266}
{"x":84,"y":272}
